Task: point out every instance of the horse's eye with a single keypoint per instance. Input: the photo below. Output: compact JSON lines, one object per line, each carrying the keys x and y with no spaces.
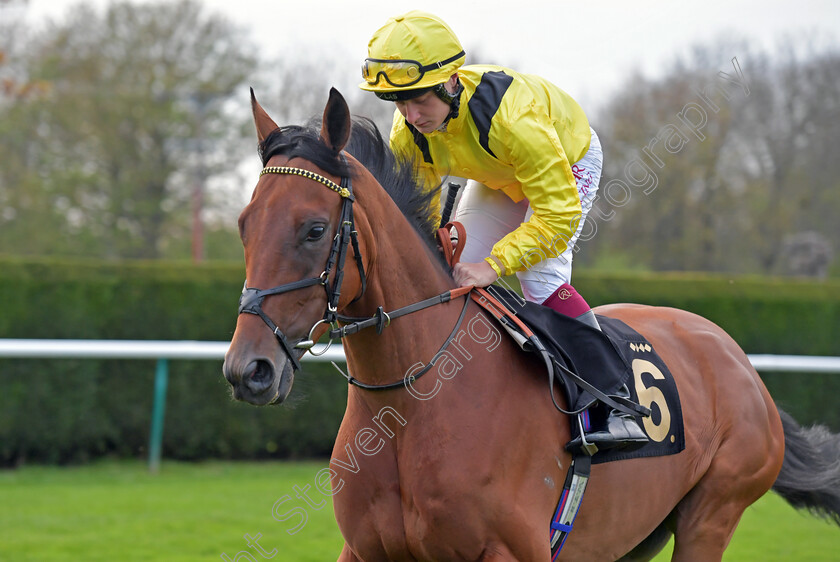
{"x":316,"y":233}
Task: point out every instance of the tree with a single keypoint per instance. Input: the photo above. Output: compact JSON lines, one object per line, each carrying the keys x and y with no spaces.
{"x":140,"y":104}
{"x":793,"y":123}
{"x":723,"y":161}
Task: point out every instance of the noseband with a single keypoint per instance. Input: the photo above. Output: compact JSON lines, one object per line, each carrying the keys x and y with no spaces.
{"x":252,"y":298}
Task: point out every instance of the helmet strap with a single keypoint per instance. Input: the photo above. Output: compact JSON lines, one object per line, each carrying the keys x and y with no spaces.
{"x":452,"y":99}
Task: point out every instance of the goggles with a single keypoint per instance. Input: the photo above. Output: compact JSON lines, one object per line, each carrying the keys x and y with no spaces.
{"x":400,"y":73}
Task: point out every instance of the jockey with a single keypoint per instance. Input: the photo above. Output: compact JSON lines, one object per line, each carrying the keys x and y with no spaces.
{"x":532,"y":162}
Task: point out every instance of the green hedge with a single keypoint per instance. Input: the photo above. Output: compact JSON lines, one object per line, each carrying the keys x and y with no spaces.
{"x":59,"y":411}
{"x":764,"y":315}
{"x":781,"y":316}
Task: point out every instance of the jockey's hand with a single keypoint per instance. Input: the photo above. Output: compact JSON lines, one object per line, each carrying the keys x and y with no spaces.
{"x":477,"y":274}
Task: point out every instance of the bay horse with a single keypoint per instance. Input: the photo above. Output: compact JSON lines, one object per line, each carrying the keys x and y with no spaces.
{"x":465,"y":462}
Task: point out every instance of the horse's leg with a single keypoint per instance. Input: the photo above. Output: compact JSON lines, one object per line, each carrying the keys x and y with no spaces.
{"x":743,"y":469}
{"x":651,"y":546}
{"x":347,"y":555}
{"x":706,"y":523}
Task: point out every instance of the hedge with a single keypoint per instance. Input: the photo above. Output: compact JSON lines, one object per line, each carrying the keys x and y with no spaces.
{"x":764,"y":315}
{"x":62,"y":411}
{"x":784,"y":316}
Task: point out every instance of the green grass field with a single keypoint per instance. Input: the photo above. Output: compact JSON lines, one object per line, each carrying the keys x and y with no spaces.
{"x":117,"y":511}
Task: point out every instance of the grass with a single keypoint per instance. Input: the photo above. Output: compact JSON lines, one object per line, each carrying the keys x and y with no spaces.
{"x":772,"y":531}
{"x":117,"y":511}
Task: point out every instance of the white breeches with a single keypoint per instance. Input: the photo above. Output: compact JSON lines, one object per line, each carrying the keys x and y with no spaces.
{"x":488,"y":215}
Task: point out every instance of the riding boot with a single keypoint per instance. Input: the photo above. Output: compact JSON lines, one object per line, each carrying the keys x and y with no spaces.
{"x":619,"y":431}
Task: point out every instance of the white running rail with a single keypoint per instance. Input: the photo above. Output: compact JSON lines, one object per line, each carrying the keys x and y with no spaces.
{"x":186,"y":349}
{"x":163,"y":351}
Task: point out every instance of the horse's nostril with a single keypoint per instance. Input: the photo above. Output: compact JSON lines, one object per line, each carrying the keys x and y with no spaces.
{"x":262,"y":371}
{"x":258,"y":376}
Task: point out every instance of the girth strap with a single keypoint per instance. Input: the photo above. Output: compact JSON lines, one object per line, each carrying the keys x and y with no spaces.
{"x":568,"y":505}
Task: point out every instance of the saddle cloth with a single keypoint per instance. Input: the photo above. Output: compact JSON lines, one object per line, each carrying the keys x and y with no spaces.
{"x":607,"y":359}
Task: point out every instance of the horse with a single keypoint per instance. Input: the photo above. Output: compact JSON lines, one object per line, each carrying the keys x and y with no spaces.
{"x":456,"y":453}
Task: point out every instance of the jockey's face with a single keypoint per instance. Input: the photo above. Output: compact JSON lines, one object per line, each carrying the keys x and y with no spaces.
{"x":425,"y":113}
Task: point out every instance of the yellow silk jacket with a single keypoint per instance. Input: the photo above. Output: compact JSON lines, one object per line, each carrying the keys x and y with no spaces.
{"x":520,"y":134}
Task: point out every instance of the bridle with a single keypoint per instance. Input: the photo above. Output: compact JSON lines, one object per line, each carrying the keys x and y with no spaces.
{"x":251,"y":300}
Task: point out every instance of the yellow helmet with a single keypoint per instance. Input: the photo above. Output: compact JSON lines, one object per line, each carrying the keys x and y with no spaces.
{"x":416,"y":50}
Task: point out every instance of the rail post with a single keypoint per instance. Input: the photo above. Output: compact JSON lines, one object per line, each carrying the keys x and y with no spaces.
{"x":158,"y":409}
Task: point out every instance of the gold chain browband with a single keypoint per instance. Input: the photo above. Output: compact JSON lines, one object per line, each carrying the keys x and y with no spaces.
{"x":343,"y":191}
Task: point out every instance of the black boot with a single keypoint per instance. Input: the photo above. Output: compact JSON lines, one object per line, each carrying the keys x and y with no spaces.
{"x":619,"y":431}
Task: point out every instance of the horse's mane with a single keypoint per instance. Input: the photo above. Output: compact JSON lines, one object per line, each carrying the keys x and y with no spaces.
{"x":395,"y":175}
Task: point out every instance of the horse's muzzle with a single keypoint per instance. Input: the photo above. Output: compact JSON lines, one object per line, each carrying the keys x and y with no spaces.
{"x":259,"y":381}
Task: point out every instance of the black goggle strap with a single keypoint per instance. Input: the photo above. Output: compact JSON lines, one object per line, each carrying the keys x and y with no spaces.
{"x":442,"y":63}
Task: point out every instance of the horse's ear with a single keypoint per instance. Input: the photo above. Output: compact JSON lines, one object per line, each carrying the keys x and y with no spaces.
{"x":265,"y":124}
{"x":335,"y":127}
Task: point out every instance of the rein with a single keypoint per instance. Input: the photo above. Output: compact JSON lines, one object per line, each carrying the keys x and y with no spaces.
{"x":251,"y":300}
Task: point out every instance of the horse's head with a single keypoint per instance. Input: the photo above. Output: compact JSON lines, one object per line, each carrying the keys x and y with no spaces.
{"x":297,"y":231}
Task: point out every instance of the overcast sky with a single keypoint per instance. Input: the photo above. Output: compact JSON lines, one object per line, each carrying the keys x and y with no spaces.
{"x":587,"y":48}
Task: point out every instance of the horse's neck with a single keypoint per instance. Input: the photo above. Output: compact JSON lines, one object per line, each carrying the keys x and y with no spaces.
{"x":404,"y":272}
